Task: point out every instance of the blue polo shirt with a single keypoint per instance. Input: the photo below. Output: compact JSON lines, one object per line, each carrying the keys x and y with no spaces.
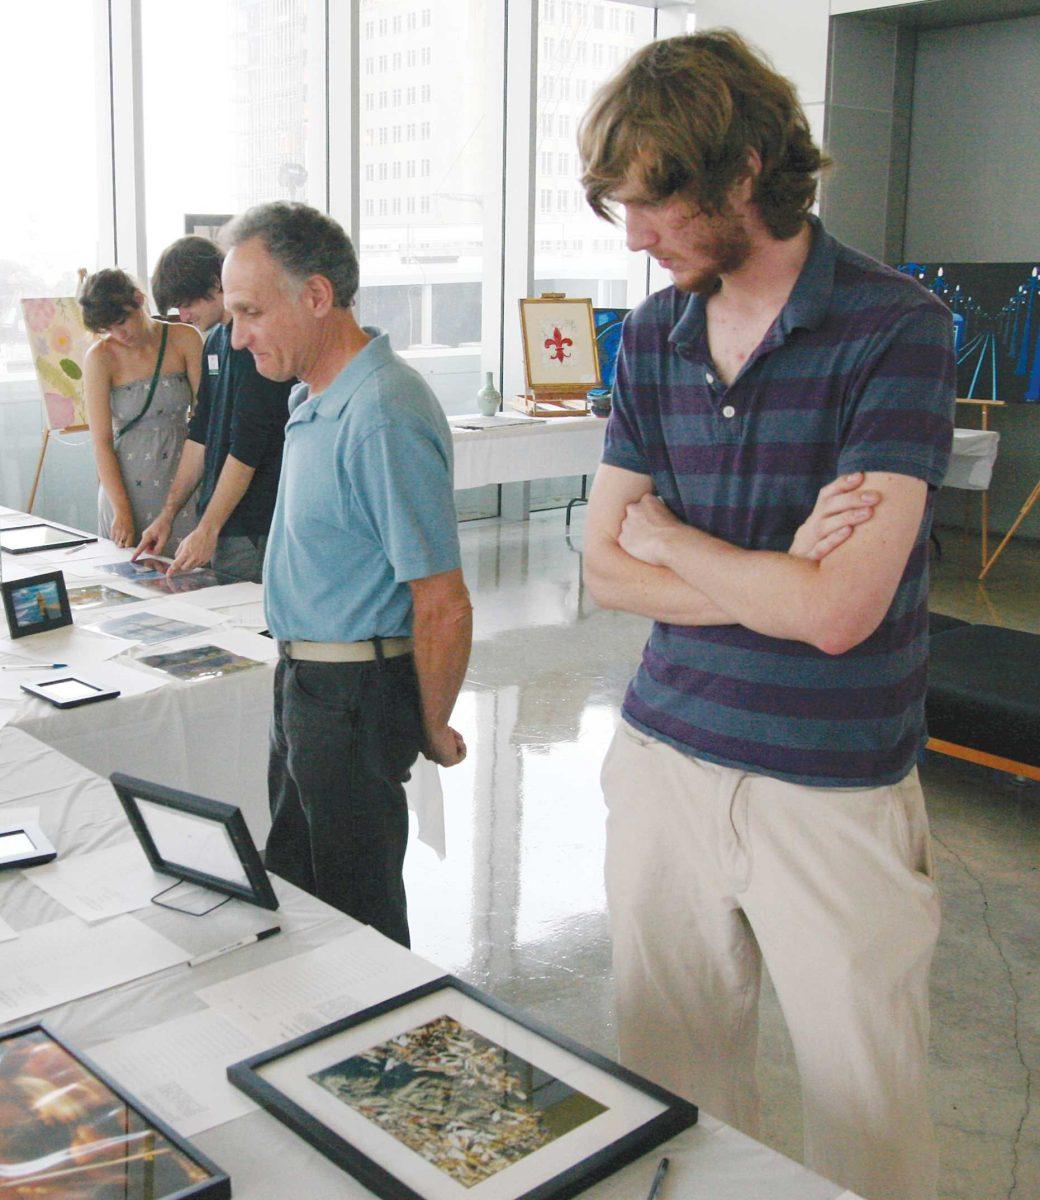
{"x":855,"y":374}
{"x":365,"y":503}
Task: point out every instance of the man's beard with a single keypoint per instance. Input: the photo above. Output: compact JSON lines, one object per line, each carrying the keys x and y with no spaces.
{"x":727,"y":247}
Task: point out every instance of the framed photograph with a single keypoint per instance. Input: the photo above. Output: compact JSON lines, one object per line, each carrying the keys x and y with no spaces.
{"x":559,"y":338}
{"x":36,"y":604}
{"x":199,"y":662}
{"x":443,"y":1093}
{"x":191,"y":837}
{"x":28,"y":539}
{"x":69,"y":1131}
{"x":150,"y":573}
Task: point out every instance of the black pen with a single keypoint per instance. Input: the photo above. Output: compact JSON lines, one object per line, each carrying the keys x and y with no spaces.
{"x":659,"y":1174}
{"x":245,"y":941}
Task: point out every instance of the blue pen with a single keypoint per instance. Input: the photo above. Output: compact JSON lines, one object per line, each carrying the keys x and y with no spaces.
{"x":36,"y":667}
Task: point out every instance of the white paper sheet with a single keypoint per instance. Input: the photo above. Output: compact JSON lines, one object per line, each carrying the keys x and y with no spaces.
{"x":7,"y":934}
{"x":225,"y":595}
{"x":119,"y":623}
{"x":69,"y":645}
{"x":285,"y":999}
{"x":242,"y":616}
{"x":66,"y":959}
{"x":179,"y":1069}
{"x":102,"y":883}
{"x":7,"y":712}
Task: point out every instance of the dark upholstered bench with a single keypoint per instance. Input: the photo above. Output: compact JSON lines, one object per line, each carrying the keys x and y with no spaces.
{"x":984,"y":695}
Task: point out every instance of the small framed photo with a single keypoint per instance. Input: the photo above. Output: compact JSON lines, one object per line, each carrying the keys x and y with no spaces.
{"x":443,"y":1093}
{"x":559,"y":337}
{"x":36,"y":604}
{"x":193,"y":838}
{"x":70,"y":1130}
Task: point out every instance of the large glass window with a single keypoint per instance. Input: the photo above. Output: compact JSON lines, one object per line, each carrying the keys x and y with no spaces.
{"x":229,"y":89}
{"x":424,"y":185}
{"x":583,"y":44}
{"x":49,"y":198}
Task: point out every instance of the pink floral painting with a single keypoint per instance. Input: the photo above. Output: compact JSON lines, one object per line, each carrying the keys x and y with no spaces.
{"x":59,"y":342}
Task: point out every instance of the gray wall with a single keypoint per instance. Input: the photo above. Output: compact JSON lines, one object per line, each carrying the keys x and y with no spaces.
{"x":972,"y":196}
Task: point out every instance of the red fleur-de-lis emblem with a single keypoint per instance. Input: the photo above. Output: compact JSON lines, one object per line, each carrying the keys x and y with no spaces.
{"x":557,"y":345}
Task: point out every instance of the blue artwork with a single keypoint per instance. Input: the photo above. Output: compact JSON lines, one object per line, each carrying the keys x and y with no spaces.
{"x":607,"y":322}
{"x":36,"y":604}
{"x":996,"y":322}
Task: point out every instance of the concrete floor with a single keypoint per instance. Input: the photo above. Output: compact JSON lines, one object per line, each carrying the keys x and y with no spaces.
{"x":517,"y":905}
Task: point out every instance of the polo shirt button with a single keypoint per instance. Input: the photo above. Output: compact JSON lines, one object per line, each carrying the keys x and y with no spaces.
{"x":729,"y":411}
{"x":709,"y":377}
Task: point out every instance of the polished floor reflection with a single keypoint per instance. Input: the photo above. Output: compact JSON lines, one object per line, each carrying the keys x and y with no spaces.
{"x":517,"y":904}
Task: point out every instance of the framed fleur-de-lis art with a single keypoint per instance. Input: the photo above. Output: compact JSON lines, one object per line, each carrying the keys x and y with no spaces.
{"x":560,"y":359}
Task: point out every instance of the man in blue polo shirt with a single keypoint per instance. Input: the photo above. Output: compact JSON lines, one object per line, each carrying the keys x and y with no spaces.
{"x":233,"y":451}
{"x":762,"y":792}
{"x":363,"y":587}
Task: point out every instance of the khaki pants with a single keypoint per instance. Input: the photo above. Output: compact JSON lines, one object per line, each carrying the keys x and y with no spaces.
{"x":709,"y":870}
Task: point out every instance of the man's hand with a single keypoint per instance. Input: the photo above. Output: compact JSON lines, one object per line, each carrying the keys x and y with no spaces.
{"x":646,"y":523}
{"x":154,"y":537}
{"x":839,"y":509}
{"x":195,"y":551}
{"x":445,"y":748}
{"x":123,"y":529}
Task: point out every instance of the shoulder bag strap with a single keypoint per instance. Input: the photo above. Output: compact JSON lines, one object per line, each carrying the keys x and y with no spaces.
{"x":151,"y":387}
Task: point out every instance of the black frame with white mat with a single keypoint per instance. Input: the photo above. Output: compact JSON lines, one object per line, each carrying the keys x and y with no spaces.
{"x":69,"y":691}
{"x":20,"y":540}
{"x":24,"y":844}
{"x":52,"y":582}
{"x":213,"y":831}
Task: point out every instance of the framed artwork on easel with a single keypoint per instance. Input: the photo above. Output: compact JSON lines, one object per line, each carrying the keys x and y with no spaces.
{"x":561,"y":365}
{"x":59,"y":341}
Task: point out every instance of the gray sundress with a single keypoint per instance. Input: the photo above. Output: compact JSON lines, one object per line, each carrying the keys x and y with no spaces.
{"x":148,"y":453}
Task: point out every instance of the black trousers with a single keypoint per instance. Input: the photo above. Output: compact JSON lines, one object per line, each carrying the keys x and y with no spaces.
{"x":343,"y":739}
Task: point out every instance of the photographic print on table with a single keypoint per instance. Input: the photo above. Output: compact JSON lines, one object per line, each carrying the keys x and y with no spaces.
{"x":137,"y":572}
{"x":198,"y":662}
{"x":68,"y":1132}
{"x":145,"y":628}
{"x":36,"y":604}
{"x":443,"y":1093}
{"x":98,"y":595}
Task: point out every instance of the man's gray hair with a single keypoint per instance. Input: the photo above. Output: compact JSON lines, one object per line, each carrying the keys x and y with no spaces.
{"x":303,"y":241}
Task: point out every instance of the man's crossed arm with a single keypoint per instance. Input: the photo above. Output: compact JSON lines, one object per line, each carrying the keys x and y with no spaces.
{"x":830,"y":589}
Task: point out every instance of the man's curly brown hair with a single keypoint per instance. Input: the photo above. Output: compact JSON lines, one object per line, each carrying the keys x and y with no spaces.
{"x":682,"y":116}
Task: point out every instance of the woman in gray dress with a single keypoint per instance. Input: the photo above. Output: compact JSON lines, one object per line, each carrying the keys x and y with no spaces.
{"x":140,"y":379}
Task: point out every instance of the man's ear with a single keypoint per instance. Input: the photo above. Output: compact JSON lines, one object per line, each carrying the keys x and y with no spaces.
{"x":318,"y":295}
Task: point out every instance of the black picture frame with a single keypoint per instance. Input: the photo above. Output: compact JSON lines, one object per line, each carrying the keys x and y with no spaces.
{"x":94,"y":694}
{"x":17,"y":626}
{"x":73,"y":538}
{"x":136,"y":1126}
{"x":672,"y":1114}
{"x":257,"y":890}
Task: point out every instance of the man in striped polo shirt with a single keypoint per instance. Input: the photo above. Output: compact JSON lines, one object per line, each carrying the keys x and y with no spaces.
{"x":762,"y":791}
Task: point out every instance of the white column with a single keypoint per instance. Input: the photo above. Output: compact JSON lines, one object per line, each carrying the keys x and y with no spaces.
{"x":128,"y":137}
{"x":343,"y":112}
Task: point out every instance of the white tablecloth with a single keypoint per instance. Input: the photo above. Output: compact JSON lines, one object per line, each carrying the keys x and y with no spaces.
{"x":79,"y":812}
{"x":535,"y":450}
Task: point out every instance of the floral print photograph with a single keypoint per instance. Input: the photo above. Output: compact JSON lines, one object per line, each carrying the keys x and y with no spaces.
{"x":59,"y":342}
{"x":466,"y":1105}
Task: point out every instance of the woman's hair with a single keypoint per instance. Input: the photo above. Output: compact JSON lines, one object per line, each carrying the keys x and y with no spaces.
{"x":107,"y":297}
{"x":682,"y":116}
{"x":187,"y":270}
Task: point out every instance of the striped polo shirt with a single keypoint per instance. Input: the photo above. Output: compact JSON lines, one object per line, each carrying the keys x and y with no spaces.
{"x":855,"y":374}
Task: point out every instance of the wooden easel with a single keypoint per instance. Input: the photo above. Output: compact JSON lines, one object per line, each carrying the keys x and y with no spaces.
{"x":555,"y":399}
{"x":47,"y":431}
